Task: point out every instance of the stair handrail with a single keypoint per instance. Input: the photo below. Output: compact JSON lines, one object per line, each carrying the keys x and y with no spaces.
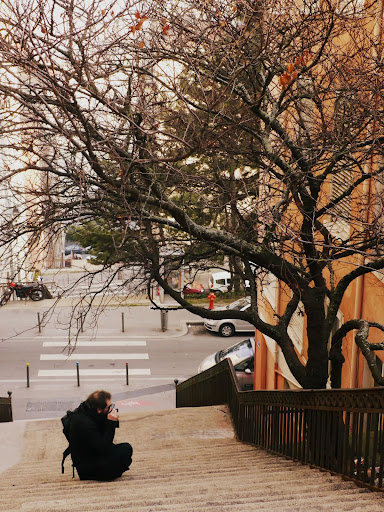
{"x":340,"y":430}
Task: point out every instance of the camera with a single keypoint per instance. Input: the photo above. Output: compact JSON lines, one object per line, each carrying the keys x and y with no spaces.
{"x":111,"y":408}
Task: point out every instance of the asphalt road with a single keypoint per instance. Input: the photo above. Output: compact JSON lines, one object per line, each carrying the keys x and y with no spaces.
{"x":155,"y":358}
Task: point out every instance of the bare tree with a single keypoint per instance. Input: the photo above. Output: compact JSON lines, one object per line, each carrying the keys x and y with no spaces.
{"x":160,"y":119}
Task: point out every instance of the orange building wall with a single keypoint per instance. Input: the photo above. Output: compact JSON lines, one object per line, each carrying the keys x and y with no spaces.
{"x":260,"y":361}
{"x":364,"y":299}
{"x":271,"y":371}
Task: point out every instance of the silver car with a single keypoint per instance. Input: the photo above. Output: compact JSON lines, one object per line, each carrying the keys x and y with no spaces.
{"x":242,"y":355}
{"x":229,"y":326}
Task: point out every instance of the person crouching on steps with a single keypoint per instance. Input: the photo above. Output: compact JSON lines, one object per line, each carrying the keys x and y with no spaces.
{"x":91,"y":434}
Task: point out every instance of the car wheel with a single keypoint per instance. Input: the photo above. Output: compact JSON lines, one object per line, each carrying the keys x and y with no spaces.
{"x":36,"y":295}
{"x":227,"y":330}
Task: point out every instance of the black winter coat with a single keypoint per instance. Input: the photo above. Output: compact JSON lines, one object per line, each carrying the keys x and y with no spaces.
{"x":90,"y":437}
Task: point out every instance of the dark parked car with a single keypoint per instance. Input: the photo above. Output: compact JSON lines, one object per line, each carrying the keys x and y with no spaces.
{"x":193,"y":288}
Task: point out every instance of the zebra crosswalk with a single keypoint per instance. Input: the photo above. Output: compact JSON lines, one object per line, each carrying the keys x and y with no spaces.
{"x":100,"y":372}
{"x":93,"y":358}
{"x":109,"y":343}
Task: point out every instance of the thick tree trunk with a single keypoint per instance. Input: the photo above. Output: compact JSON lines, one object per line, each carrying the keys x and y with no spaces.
{"x":316,"y":378}
{"x":317,"y":365}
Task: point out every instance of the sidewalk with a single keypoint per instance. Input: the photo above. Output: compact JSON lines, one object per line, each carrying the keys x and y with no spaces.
{"x":48,"y":398}
{"x":137,"y":322}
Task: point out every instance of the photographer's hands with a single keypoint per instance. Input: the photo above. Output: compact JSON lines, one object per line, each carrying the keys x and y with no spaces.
{"x":113,"y":415}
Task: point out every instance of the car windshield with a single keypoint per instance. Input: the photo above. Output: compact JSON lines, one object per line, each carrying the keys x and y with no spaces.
{"x":239,"y":304}
{"x":240,"y":351}
{"x":247,"y":363}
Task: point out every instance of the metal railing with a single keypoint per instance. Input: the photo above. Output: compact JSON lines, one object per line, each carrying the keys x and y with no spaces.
{"x":338,"y":430}
{"x":6,"y":408}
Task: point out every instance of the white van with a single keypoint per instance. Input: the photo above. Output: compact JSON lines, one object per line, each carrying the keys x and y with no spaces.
{"x":219,"y":282}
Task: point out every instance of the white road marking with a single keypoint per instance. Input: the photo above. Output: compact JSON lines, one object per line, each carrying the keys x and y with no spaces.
{"x":92,"y":373}
{"x":78,"y":357}
{"x":137,"y":378}
{"x":96,"y":343}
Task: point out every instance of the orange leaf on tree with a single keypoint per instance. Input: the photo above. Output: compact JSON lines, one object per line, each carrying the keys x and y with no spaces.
{"x":165,"y":29}
{"x":285,"y":79}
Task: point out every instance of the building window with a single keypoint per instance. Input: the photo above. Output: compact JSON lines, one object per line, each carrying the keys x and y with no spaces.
{"x":270,"y":288}
{"x":341,"y":181}
{"x":296,"y":328}
{"x":305,"y":109}
{"x":347,"y":120}
{"x":309,"y":6}
{"x":350,"y":6}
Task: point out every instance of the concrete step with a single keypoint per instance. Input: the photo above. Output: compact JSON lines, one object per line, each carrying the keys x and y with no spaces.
{"x":184,"y":460}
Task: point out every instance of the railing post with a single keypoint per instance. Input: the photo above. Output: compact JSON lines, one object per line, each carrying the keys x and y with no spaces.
{"x":176,"y":381}
{"x":9,"y":393}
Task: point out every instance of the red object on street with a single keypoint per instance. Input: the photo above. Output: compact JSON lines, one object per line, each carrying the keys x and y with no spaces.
{"x":211,"y":298}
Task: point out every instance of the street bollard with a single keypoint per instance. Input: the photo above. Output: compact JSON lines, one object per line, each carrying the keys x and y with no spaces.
{"x":122,"y":322}
{"x":78,"y":373}
{"x":39,"y":321}
{"x":164,"y":319}
{"x":27,"y":375}
{"x":126,"y":373}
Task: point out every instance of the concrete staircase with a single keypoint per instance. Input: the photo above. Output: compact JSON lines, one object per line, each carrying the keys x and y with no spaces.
{"x":184,"y":460}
